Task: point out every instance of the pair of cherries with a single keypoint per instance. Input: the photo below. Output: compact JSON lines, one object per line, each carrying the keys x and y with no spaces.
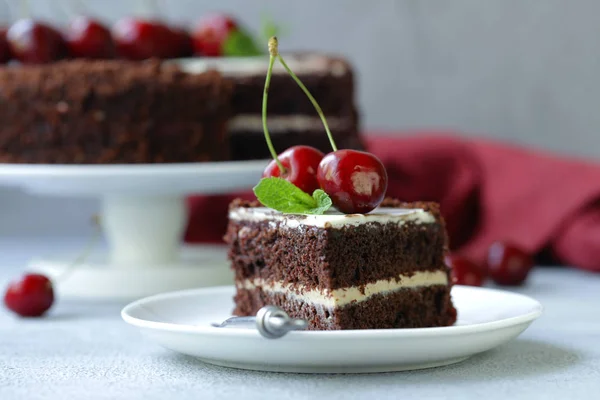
{"x":507,"y":265}
{"x":355,"y":180}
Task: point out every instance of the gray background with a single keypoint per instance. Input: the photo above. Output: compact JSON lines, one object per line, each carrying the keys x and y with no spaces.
{"x":523,"y":71}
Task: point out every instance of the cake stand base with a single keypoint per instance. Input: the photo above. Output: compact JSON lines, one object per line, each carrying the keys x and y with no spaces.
{"x":143,"y":219}
{"x":199,"y":266}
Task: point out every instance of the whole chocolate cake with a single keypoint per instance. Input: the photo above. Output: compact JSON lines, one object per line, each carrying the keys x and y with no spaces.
{"x":190,"y":110}
{"x":95,"y":112}
{"x":380,"y":270}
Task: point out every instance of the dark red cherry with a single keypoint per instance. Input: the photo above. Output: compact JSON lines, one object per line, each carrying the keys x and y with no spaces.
{"x":87,"y":38}
{"x":508,"y":265}
{"x":301,"y":164}
{"x":138,"y":39}
{"x":182,"y":43}
{"x":465,"y":272}
{"x":31,"y":296}
{"x":4,"y":47}
{"x":210,"y":34}
{"x":34,"y":42}
{"x":355,"y":180}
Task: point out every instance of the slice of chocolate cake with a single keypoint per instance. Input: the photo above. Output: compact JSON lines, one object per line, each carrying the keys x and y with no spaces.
{"x":292,"y":118}
{"x":379,"y":270}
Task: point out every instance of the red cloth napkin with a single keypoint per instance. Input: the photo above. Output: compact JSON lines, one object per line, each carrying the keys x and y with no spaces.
{"x":488,"y":191}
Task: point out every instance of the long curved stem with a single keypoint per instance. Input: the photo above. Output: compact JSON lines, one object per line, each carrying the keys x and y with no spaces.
{"x":312,"y":100}
{"x":85,"y":253}
{"x":264,"y":115}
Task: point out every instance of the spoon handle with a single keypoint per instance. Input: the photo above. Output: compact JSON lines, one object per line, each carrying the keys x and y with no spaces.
{"x":270,"y":321}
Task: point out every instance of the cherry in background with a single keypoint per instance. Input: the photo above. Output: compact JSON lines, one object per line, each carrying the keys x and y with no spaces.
{"x":4,"y":47}
{"x":210,"y":34}
{"x":183,"y":46}
{"x":31,"y":296}
{"x":138,"y":39}
{"x":465,"y":272}
{"x":35,"y":42}
{"x":301,"y":164}
{"x":508,"y":264}
{"x":87,"y":38}
{"x":355,"y":180}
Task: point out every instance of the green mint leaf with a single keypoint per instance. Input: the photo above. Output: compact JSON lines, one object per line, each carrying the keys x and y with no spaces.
{"x":323,"y":201}
{"x":284,"y":196}
{"x":240,"y":44}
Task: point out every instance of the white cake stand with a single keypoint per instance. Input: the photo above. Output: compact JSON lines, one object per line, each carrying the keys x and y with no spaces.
{"x":143,"y":219}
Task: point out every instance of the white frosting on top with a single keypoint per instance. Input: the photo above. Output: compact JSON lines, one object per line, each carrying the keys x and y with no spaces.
{"x":249,"y":66}
{"x":334,"y":219}
{"x":341,"y":297}
{"x":283,"y":123}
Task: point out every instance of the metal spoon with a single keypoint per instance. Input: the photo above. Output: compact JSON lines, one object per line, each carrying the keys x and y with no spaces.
{"x":270,"y":321}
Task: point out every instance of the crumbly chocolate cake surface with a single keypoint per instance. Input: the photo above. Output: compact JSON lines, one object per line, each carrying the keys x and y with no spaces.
{"x":94,"y":112}
{"x":315,"y":259}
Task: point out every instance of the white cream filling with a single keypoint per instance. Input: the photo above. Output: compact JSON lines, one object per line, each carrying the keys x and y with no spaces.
{"x":250,"y":66}
{"x":284,"y":123}
{"x":344,"y":296}
{"x":334,"y":219}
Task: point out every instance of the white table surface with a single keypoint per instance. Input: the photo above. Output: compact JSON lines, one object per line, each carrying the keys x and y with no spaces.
{"x":83,"y":350}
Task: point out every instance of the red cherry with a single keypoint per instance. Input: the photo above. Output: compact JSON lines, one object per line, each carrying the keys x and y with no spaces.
{"x":182,"y":40}
{"x":508,"y":264}
{"x":31,"y":296}
{"x":89,"y":39}
{"x":4,"y":47}
{"x":355,"y":180}
{"x":301,"y":164}
{"x":137,"y":39}
{"x":465,"y":272}
{"x":210,"y":34}
{"x":34,"y":42}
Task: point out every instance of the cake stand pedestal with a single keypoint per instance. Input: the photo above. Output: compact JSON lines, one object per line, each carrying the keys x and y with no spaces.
{"x":143,"y":218}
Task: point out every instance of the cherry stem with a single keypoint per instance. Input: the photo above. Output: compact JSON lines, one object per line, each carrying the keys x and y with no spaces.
{"x":25,"y":10}
{"x":89,"y":247}
{"x":272,"y":55}
{"x":307,"y":93}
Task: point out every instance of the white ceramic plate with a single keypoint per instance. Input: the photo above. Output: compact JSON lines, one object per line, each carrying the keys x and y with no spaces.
{"x":180,"y":321}
{"x":158,"y":179}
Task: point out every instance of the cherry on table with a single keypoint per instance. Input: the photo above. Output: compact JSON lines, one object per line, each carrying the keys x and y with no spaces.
{"x":508,"y":264}
{"x":35,"y":42}
{"x":464,"y":271}
{"x":355,"y":180}
{"x":31,"y":296}
{"x":88,"y":38}
{"x":138,"y":39}
{"x":210,"y":34}
{"x":301,"y":164}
